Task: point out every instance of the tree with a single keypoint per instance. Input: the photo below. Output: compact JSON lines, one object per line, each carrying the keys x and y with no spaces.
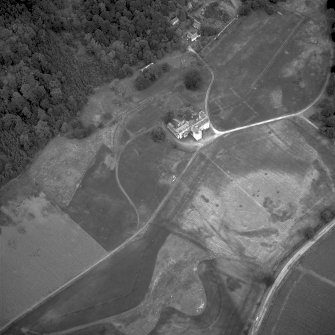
{"x":330,"y":16}
{"x":208,"y":30}
{"x":141,"y":82}
{"x":44,"y":67}
{"x":18,"y":101}
{"x":158,"y":134}
{"x":56,"y":95}
{"x":327,"y":215}
{"x":267,"y":279}
{"x":244,"y":9}
{"x":308,"y":232}
{"x":193,"y":80}
{"x":331,"y":85}
{"x":330,"y":121}
{"x":328,"y":131}
{"x":168,"y":117}
{"x":182,"y":15}
{"x":42,"y":130}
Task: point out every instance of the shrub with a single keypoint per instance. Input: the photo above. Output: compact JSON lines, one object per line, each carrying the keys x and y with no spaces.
{"x":331,"y":85}
{"x":79,"y":131}
{"x":148,"y":76}
{"x":141,"y":82}
{"x":208,"y":30}
{"x":168,"y":117}
{"x":165,"y":67}
{"x":328,"y":132}
{"x":158,"y":134}
{"x":244,"y":10}
{"x":193,"y":80}
{"x":267,"y":279}
{"x":327,"y":215}
{"x":308,"y":233}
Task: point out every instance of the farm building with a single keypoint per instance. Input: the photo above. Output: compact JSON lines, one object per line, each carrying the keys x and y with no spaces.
{"x":192,"y":36}
{"x":146,"y":67}
{"x":190,"y":123}
{"x":196,"y":24}
{"x":174,"y":21}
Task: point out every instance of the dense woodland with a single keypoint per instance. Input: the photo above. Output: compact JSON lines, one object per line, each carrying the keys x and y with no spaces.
{"x":326,"y":115}
{"x":53,"y":52}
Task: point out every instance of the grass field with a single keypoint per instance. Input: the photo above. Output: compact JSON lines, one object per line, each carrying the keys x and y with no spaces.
{"x":305,"y":302}
{"x":148,"y":169}
{"x":248,"y":194}
{"x":100,"y":207}
{"x":117,"y":284}
{"x":317,"y":262}
{"x":261,"y":76}
{"x":41,"y":249}
{"x":59,"y":168}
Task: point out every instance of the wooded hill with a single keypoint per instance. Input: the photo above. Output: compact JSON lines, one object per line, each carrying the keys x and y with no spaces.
{"x":53,"y":52}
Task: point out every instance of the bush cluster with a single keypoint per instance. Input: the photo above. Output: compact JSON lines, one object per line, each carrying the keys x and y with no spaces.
{"x":148,"y":76}
{"x":248,"y":6}
{"x":158,"y":135}
{"x":326,"y":114}
{"x":193,"y":80}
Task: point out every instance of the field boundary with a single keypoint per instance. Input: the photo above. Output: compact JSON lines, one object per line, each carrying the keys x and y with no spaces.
{"x":278,"y":51}
{"x":110,"y":254}
{"x":283,"y":273}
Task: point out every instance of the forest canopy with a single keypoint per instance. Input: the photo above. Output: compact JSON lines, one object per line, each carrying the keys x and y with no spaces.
{"x":53,"y":52}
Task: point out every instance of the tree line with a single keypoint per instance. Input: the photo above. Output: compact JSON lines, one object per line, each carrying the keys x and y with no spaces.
{"x":248,"y":6}
{"x":52,"y":53}
{"x":326,"y":114}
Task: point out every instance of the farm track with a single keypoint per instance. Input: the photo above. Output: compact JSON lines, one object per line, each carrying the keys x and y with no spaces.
{"x":124,"y":191}
{"x":267,"y":300}
{"x":293,"y":260}
{"x":117,"y":132}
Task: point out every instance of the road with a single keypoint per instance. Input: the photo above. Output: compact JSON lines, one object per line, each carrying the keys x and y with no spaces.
{"x":267,"y":300}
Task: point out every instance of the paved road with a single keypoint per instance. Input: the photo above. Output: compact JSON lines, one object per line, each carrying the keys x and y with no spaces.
{"x":283,"y":274}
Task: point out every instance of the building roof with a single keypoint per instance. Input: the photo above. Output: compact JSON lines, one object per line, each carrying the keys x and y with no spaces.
{"x":196,"y":23}
{"x":174,"y":21}
{"x":180,"y":126}
{"x":201,"y":122}
{"x":193,"y":35}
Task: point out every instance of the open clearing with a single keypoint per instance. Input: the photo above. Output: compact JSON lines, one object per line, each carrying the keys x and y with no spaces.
{"x":260,"y":76}
{"x":305,"y":302}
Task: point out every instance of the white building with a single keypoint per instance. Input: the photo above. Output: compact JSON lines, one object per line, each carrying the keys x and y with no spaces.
{"x":146,"y":67}
{"x":196,"y":24}
{"x":174,"y":21}
{"x":181,"y":128}
{"x":193,"y":36}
